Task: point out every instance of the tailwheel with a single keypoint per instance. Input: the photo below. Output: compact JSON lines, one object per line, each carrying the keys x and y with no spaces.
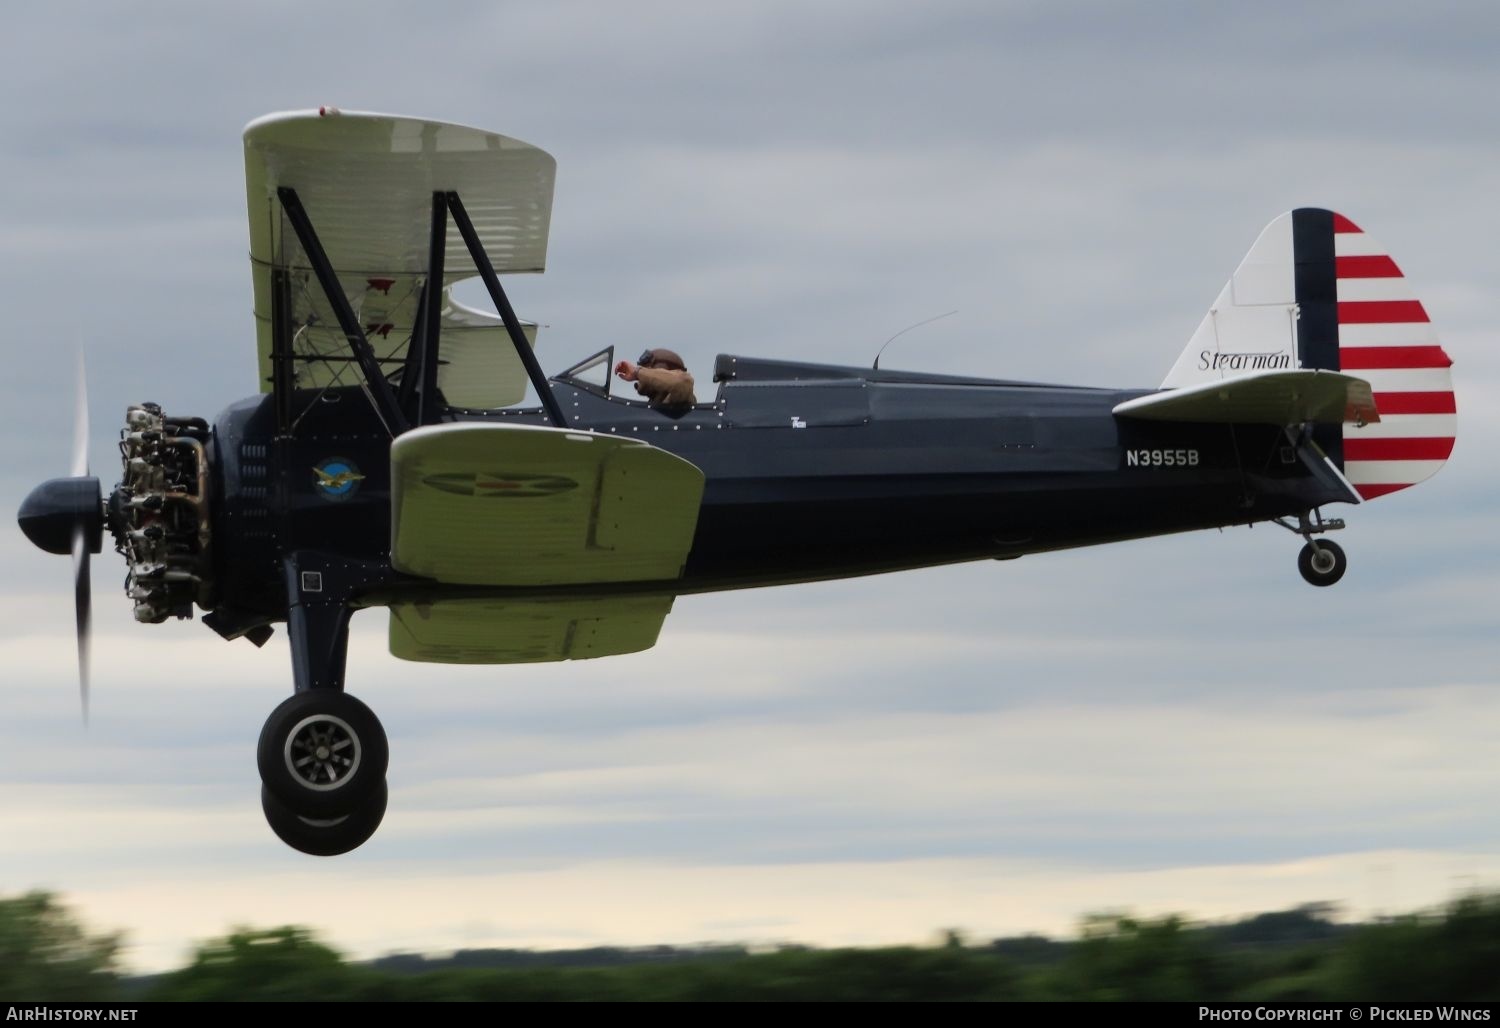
{"x":323,"y":754}
{"x":1322,"y":563}
{"x":325,"y":837}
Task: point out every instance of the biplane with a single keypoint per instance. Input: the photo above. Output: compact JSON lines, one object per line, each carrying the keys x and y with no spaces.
{"x":391,"y":458}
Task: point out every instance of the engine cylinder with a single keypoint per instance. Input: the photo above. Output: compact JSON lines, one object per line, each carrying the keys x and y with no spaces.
{"x":159,"y":513}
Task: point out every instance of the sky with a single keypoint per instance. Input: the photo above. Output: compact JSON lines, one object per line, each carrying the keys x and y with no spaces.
{"x":1171,"y":725}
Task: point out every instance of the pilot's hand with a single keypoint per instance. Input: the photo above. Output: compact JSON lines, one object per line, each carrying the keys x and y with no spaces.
{"x":626,"y":370}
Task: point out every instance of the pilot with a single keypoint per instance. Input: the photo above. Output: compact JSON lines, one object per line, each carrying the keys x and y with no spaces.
{"x":661,"y":377}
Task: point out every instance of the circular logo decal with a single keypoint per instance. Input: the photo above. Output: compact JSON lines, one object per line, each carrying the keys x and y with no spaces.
{"x":337,"y":479}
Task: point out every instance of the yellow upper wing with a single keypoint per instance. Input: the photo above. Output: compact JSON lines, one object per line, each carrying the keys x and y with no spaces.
{"x":367,"y":181}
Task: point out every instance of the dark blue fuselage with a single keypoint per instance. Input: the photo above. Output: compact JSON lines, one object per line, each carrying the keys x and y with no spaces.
{"x":811,"y":472}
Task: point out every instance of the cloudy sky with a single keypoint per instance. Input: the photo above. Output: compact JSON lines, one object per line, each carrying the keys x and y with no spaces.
{"x":1173,"y":725}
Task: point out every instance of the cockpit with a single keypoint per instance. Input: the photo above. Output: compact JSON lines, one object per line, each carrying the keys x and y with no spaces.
{"x":595,"y":376}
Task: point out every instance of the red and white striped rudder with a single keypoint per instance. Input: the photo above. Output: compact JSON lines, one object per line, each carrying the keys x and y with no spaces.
{"x":1315,"y":291}
{"x":1386,"y":337}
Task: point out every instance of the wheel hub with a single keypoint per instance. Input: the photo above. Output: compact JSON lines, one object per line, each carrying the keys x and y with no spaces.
{"x":322,"y":752}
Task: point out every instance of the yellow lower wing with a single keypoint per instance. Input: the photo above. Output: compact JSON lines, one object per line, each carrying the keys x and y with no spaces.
{"x":466,"y":631}
{"x":513,"y":505}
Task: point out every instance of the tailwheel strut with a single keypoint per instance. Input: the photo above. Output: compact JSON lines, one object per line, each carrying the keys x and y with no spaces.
{"x":1321,"y":562}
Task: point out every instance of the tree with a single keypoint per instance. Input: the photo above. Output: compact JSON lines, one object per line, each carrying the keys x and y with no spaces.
{"x":285,"y":963}
{"x":45,"y":953}
{"x":1449,"y":957}
{"x":1122,"y":958}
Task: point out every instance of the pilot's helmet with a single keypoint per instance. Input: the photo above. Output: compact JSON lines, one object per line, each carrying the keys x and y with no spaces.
{"x":662,"y":358}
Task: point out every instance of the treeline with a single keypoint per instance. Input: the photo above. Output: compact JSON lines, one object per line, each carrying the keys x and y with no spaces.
{"x":1452,"y":955}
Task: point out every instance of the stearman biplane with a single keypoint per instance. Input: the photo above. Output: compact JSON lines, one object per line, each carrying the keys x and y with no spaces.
{"x":388,"y":461}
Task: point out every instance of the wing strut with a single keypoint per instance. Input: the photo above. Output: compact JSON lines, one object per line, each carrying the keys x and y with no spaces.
{"x":502,"y":305}
{"x":432,"y":310}
{"x":375,"y":382}
{"x":408,"y":394}
{"x":419,"y":379}
{"x":282,"y":378}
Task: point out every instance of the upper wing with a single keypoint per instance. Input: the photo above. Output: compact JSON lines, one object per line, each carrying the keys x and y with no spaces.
{"x":1271,"y":397}
{"x":367,"y":181}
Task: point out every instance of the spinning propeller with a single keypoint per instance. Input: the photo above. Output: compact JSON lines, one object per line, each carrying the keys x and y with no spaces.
{"x":66,"y":515}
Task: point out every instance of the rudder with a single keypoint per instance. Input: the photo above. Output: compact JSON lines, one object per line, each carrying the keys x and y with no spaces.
{"x":1315,"y":291}
{"x":1385,"y":336}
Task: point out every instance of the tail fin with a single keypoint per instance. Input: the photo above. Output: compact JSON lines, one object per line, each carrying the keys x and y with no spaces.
{"x":1316,"y":292}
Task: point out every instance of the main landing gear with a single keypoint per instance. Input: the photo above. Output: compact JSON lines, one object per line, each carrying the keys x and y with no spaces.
{"x":322,"y":759}
{"x":1321,"y":562}
{"x":322,"y":753}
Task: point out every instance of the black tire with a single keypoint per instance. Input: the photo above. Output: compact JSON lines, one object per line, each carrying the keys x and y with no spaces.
{"x":325,"y":837}
{"x":1323,"y":564}
{"x":322,"y":753}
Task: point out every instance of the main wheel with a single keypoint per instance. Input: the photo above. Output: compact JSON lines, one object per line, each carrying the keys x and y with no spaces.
{"x":325,"y":837}
{"x":1322,"y":564}
{"x":322,"y":753}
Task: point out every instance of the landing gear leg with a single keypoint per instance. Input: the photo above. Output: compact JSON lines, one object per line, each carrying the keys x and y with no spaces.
{"x":1321,"y":563}
{"x":322,"y":753}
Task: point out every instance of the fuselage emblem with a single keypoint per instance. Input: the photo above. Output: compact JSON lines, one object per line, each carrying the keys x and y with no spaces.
{"x":337,"y":478}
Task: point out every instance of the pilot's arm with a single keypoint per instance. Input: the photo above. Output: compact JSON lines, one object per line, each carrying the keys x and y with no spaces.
{"x":661,"y":377}
{"x":666,"y":388}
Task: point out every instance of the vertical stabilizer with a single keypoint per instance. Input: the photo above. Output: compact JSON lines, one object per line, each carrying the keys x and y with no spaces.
{"x":1315,"y":291}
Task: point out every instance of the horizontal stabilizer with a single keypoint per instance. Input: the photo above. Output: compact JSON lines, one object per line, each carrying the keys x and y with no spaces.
{"x":487,"y":631}
{"x":1270,"y":397}
{"x":522,"y":505}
